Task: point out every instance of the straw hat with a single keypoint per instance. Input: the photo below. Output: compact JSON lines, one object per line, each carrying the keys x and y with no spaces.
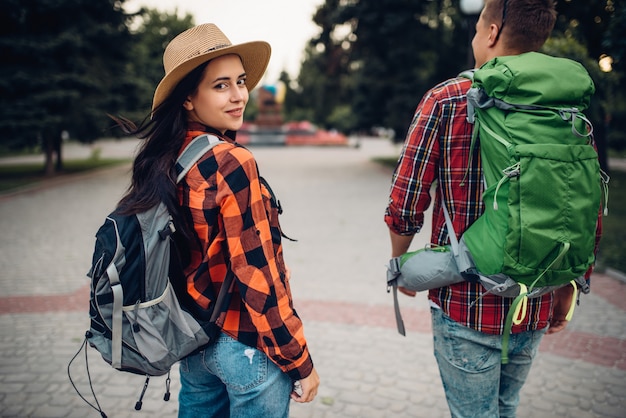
{"x":200,"y":44}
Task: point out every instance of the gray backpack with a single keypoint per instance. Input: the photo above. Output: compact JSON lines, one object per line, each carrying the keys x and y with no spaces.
{"x":138,"y":324}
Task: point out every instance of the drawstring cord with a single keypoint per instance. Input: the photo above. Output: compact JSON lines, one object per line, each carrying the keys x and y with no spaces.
{"x":69,"y":375}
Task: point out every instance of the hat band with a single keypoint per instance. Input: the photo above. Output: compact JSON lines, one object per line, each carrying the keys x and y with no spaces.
{"x":218,"y":47}
{"x":213,"y":48}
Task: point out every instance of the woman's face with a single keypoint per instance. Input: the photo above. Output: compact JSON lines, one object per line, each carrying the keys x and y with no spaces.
{"x":222,"y":95}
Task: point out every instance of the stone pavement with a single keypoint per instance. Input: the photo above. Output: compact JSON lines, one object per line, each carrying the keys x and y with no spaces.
{"x":333,"y":200}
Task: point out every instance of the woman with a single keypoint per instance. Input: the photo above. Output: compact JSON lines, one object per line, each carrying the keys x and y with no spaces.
{"x":230,"y":218}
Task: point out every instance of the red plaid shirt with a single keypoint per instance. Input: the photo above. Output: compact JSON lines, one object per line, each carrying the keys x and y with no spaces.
{"x":235,"y":220}
{"x":437,"y":148}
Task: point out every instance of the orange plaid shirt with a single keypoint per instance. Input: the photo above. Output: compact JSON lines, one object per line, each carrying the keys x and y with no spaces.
{"x":235,"y":221}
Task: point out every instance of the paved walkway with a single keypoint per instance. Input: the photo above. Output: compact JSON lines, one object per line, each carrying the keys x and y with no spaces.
{"x":334,"y":200}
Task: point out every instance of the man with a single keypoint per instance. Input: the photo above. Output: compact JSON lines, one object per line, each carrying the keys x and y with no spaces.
{"x":467,"y":323}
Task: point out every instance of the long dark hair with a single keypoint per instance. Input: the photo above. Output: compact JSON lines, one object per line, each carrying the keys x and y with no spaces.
{"x":154,"y":178}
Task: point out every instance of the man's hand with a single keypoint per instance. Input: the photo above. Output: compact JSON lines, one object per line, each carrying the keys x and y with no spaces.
{"x":563,"y":299}
{"x":407,"y":292}
{"x":305,"y":390}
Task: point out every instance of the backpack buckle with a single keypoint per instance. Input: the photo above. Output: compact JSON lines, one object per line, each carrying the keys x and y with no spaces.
{"x":167,"y":231}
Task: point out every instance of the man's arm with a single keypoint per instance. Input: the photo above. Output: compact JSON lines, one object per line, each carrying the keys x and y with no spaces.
{"x":399,"y":243}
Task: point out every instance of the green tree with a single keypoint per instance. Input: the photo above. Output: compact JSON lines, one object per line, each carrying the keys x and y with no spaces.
{"x":304,"y":93}
{"x":586,"y":21}
{"x":398,"y":49}
{"x":144,"y":68}
{"x":377,"y":57}
{"x":62,"y":62}
{"x":598,"y":26}
{"x":614,"y":39}
{"x":324,"y":79}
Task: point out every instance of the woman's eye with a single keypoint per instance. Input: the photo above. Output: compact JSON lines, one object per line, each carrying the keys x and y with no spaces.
{"x":241,"y":82}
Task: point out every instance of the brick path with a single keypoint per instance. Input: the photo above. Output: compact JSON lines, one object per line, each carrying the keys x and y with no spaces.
{"x":601,"y":350}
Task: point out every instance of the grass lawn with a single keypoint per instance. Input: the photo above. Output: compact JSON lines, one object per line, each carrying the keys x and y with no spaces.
{"x":613,"y":243}
{"x":19,"y":175}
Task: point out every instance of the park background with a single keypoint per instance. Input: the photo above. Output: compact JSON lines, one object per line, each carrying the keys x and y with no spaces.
{"x":355,"y":67}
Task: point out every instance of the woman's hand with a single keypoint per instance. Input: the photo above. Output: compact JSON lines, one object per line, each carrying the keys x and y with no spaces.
{"x":305,"y":390}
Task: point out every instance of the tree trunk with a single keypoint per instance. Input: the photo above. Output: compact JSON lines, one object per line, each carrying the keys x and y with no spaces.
{"x":49,"y":154}
{"x":58,"y":147}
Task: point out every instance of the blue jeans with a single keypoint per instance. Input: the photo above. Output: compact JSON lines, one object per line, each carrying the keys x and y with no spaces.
{"x":474,"y":380}
{"x":230,"y":379}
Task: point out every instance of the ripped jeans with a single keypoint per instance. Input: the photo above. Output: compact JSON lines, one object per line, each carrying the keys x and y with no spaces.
{"x":230,"y":379}
{"x":474,"y":380}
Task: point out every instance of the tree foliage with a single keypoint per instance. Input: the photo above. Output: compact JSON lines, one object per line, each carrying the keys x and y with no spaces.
{"x":324,"y":78}
{"x":587,"y":22}
{"x":374,"y":59}
{"x":598,"y":27}
{"x":69,"y":63}
{"x":144,"y":68}
{"x":61,"y":65}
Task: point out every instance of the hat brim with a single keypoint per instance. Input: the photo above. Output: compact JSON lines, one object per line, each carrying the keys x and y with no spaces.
{"x":255,"y":57}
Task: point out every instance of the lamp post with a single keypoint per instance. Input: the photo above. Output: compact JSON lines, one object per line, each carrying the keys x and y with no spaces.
{"x":471,"y":9}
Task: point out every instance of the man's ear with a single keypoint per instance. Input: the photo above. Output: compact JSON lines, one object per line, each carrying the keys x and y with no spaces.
{"x":188,"y":105}
{"x":494,"y":31}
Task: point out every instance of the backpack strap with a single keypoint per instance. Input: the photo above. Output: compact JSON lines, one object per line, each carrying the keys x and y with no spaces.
{"x":113,"y":274}
{"x":469,"y":74}
{"x":193,"y":152}
{"x":393,"y":269}
{"x":454,"y":242}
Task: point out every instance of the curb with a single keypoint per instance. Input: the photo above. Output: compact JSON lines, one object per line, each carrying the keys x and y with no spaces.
{"x":61,"y":180}
{"x":616,"y":274}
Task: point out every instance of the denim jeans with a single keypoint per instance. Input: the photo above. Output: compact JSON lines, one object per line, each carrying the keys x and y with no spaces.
{"x":230,"y":379}
{"x":474,"y":380}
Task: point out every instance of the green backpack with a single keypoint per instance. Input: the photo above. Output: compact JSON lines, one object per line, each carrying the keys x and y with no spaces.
{"x":543,"y":183}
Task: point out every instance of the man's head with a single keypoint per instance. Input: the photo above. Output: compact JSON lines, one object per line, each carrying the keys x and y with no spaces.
{"x":511,"y":27}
